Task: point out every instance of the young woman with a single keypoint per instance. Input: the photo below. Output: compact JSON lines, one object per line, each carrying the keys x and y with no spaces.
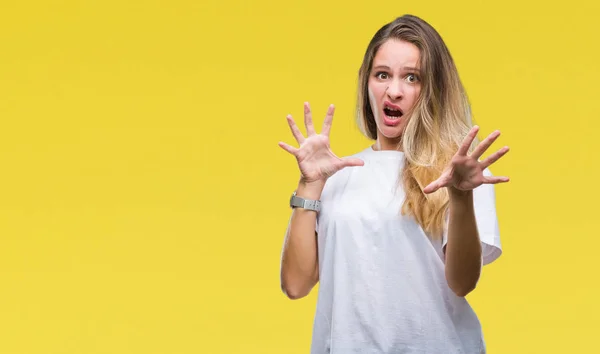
{"x":396,"y":234}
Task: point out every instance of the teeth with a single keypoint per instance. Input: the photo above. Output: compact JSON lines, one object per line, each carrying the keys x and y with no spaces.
{"x":392,"y":114}
{"x":392,"y":110}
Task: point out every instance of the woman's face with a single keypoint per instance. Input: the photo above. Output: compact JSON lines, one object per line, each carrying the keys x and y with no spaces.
{"x":394,"y":85}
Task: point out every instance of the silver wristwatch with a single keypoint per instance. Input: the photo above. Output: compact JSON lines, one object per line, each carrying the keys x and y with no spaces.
{"x":298,"y":202}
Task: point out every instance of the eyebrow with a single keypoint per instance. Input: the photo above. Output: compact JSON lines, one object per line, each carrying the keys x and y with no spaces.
{"x":406,"y":68}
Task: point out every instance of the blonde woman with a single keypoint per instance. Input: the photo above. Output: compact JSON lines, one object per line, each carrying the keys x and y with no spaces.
{"x":396,"y":234}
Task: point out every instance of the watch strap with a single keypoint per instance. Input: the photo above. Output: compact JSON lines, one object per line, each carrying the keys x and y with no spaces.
{"x":299,"y":202}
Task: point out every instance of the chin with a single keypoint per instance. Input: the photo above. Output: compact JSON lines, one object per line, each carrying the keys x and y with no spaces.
{"x":392,"y":133}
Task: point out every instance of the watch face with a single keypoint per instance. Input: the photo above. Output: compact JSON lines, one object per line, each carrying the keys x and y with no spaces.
{"x":294,"y":201}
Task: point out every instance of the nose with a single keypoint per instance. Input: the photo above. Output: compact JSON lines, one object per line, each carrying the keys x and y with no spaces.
{"x":395,"y":90}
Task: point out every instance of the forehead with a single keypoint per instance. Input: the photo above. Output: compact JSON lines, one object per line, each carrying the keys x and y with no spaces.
{"x":397,"y":53}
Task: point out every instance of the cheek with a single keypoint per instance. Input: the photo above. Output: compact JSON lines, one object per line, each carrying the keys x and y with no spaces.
{"x":372,"y":99}
{"x":417,"y":92}
{"x":375,"y":92}
{"x":414,"y":94}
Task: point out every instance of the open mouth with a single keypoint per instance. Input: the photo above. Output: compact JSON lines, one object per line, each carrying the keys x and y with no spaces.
{"x":392,"y":111}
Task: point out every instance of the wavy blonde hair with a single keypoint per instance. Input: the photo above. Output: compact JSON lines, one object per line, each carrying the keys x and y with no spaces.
{"x":437,"y":124}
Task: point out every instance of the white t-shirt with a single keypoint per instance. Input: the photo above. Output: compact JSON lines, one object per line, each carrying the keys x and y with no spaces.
{"x":382,"y":287}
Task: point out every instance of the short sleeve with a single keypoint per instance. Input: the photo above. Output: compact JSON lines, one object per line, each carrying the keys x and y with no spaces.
{"x":484,"y":200}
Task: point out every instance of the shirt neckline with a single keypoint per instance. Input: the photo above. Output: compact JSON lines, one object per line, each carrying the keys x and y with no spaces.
{"x":387,"y":154}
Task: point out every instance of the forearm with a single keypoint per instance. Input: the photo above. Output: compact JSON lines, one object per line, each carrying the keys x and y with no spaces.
{"x":463,"y":248}
{"x":299,"y":266}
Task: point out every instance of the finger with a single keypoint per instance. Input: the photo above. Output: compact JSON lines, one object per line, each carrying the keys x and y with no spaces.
{"x":328,"y":120}
{"x":433,"y":186}
{"x":485,"y":144}
{"x":494,"y":157}
{"x":292,"y":150}
{"x":466,"y":144}
{"x":352,"y":161}
{"x":310,"y":129}
{"x":295,"y":130}
{"x":495,"y":179}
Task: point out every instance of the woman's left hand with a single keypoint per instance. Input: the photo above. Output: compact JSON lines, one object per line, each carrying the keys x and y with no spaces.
{"x":465,"y":172}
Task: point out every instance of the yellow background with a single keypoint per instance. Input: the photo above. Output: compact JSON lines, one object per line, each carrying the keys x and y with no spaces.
{"x":143,"y":197}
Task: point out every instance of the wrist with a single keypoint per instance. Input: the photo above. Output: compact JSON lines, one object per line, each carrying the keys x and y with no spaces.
{"x":310,"y":190}
{"x":460,"y":196}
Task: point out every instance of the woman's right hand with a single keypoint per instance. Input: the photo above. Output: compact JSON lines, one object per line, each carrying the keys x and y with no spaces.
{"x":315,"y":159}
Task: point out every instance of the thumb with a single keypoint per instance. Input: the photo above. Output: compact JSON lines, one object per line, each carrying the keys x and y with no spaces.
{"x":432,"y":187}
{"x":352,"y":161}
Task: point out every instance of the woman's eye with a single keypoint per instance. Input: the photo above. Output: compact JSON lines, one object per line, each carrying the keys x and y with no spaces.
{"x":381,"y":76}
{"x":411,"y":78}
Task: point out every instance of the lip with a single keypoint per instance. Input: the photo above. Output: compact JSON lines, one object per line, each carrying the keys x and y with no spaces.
{"x":391,"y":122}
{"x":392,"y":106}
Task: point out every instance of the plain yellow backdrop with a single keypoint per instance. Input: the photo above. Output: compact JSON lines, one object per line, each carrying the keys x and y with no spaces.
{"x":144,"y":199}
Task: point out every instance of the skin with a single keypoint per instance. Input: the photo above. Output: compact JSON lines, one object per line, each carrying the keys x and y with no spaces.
{"x":316,"y":162}
{"x":394,"y":78}
{"x":461,"y":176}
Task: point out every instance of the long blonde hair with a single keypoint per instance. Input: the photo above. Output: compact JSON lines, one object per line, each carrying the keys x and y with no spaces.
{"x":437,"y":124}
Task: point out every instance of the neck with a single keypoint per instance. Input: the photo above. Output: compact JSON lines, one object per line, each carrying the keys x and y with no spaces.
{"x":382,"y":144}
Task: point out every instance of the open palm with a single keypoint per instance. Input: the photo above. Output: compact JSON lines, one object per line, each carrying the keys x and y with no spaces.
{"x":315,"y":159}
{"x":465,"y":172}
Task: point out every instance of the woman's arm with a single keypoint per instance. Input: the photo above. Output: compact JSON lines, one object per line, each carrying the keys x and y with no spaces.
{"x":299,"y":263}
{"x":316,"y":161}
{"x":463,"y":249}
{"x":461,"y":176}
